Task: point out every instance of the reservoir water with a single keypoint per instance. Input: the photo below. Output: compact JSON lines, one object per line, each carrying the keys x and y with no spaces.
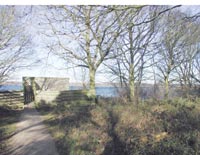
{"x":101,"y":91}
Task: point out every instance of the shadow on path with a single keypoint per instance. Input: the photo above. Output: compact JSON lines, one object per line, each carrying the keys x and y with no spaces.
{"x":31,"y":136}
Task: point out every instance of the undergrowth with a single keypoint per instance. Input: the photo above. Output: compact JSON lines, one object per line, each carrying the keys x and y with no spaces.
{"x":152,"y":127}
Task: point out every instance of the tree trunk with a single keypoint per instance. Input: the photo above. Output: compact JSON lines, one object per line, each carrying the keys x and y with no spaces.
{"x":186,"y":88}
{"x":166,"y":87}
{"x":131,"y":67}
{"x":131,"y":84}
{"x":92,"y":91}
{"x":120,"y":73}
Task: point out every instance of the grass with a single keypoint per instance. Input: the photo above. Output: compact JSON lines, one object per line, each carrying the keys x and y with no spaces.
{"x":8,"y":120}
{"x":152,"y":127}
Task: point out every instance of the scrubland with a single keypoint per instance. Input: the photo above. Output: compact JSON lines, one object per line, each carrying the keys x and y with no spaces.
{"x":112,"y":127}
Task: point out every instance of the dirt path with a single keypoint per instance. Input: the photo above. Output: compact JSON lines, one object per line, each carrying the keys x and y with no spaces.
{"x":32,"y":137}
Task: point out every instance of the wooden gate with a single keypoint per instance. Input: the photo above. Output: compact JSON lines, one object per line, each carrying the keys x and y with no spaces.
{"x":28,"y":94}
{"x":28,"y":90}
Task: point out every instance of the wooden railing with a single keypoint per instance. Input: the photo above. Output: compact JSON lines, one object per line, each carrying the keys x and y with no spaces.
{"x":13,"y":99}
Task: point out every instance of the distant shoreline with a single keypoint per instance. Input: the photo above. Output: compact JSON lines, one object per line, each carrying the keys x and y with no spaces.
{"x":106,"y":91}
{"x":70,"y":84}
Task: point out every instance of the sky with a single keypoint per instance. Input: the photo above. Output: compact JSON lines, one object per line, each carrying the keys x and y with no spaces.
{"x":55,"y":67}
{"x":101,"y":2}
{"x":51,"y":65}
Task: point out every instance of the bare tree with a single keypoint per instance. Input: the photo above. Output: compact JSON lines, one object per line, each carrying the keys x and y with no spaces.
{"x":170,"y":47}
{"x":92,"y":31}
{"x":13,"y":42}
{"x":196,"y":68}
{"x":132,"y":50}
{"x":189,"y":54}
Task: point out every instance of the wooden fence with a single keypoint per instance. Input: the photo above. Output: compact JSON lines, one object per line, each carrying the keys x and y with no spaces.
{"x":13,"y":99}
{"x":17,"y":99}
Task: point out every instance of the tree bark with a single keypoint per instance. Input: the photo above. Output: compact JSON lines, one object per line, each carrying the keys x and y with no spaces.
{"x":131,"y":84}
{"x":166,"y":87}
{"x":131,"y":67}
{"x":92,"y":91}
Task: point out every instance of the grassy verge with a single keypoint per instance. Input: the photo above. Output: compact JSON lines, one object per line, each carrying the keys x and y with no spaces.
{"x":8,"y":120}
{"x":109,"y":128}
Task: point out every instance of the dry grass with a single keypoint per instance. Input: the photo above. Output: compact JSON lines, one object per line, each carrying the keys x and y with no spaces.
{"x":109,"y":128}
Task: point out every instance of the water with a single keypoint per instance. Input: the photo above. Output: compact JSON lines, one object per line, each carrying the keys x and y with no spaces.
{"x":11,"y":87}
{"x":101,"y":91}
{"x":107,"y":91}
